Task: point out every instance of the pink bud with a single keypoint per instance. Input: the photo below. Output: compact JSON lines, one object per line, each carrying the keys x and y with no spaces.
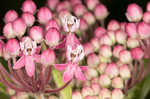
{"x":6,"y":55}
{"x":92,"y":60}
{"x":95,"y":43}
{"x":96,"y":88}
{"x":28,"y":6}
{"x":137,"y":53}
{"x":117,"y":82}
{"x":90,"y":73}
{"x":76,"y":95}
{"x":132,"y":42}
{"x":105,"y":94}
{"x":19,"y":27}
{"x":104,"y":81}
{"x":101,"y":68}
{"x":10,"y":16}
{"x":112,"y":70}
{"x":117,"y":94}
{"x":122,"y":25}
{"x":89,"y":17}
{"x":111,"y":34}
{"x":8,"y":31}
{"x":36,"y":33}
{"x":91,"y":4}
{"x":87,"y":91}
{"x":63,"y":13}
{"x":74,"y":2}
{"x":83,"y":25}
{"x":131,"y":30}
{"x":99,"y":32}
{"x":125,"y":56}
{"x":52,"y":24}
{"x":13,"y":47}
{"x":105,"y":51}
{"x":28,"y":19}
{"x":106,"y":40}
{"x":52,"y":37}
{"x":52,"y":4}
{"x":113,"y":25}
{"x":100,"y":12}
{"x":121,"y":37}
{"x":148,"y":6}
{"x":143,"y":30}
{"x":117,"y":50}
{"x":79,"y":9}
{"x":88,"y":48}
{"x":104,"y":59}
{"x":146,"y":17}
{"x":63,"y":5}
{"x":125,"y":72}
{"x":44,"y":15}
{"x":134,"y":12}
{"x":48,"y":57}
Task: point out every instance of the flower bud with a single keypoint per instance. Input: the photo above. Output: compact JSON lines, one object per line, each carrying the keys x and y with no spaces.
{"x":125,"y":72}
{"x":92,"y":60}
{"x":132,"y":42}
{"x":96,"y":88}
{"x":117,"y":50}
{"x":112,"y":70}
{"x":105,"y":51}
{"x":104,"y":59}
{"x":75,"y":2}
{"x":28,"y":18}
{"x":52,"y":24}
{"x":94,"y":80}
{"x":106,"y":40}
{"x":13,"y":47}
{"x":117,"y":82}
{"x":105,"y":93}
{"x":76,"y":95}
{"x":90,"y":73}
{"x":111,"y":34}
{"x":36,"y":33}
{"x":52,"y":4}
{"x":134,"y":12}
{"x":89,"y":17}
{"x":100,"y":12}
{"x":8,"y":31}
{"x":122,"y":25}
{"x":87,"y":91}
{"x":79,"y":10}
{"x":131,"y":30}
{"x":19,"y":27}
{"x":48,"y":57}
{"x":63,"y":5}
{"x":29,"y":6}
{"x":99,"y":31}
{"x":121,"y":37}
{"x":117,"y":94}
{"x":44,"y":15}
{"x":91,"y":4}
{"x":52,"y":37}
{"x":137,"y":53}
{"x":95,"y":43}
{"x":104,"y":81}
{"x":10,"y":16}
{"x":125,"y":56}
{"x":148,"y":6}
{"x":88,"y":48}
{"x":113,"y":25}
{"x":101,"y":68}
{"x":6,"y":55}
{"x":83,"y":25}
{"x":146,"y":17}
{"x":143,"y":30}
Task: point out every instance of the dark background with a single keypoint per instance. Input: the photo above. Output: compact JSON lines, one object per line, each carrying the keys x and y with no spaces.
{"x":117,"y":9}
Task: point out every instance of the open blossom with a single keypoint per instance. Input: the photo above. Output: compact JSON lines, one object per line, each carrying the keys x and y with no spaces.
{"x":70,"y":23}
{"x":29,"y":56}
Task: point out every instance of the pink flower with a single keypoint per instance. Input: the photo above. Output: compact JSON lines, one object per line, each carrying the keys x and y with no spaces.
{"x":131,"y":30}
{"x":79,"y":9}
{"x":8,"y":31}
{"x":146,"y":17}
{"x":137,"y":53}
{"x":29,"y":56}
{"x":52,"y":4}
{"x":70,"y":23}
{"x":89,"y":17}
{"x":99,"y":31}
{"x":10,"y":16}
{"x":52,"y":24}
{"x":91,"y":4}
{"x":113,"y":25}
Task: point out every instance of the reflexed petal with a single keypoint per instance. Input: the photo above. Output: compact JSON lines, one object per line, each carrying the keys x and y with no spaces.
{"x":20,"y":63}
{"x":60,"y":67}
{"x":29,"y":65}
{"x":68,"y":74}
{"x":78,"y":74}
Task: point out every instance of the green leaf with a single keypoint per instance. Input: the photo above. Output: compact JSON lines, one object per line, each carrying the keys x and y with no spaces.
{"x":66,"y":93}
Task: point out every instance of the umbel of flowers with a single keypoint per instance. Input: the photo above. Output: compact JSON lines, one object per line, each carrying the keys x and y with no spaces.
{"x":70,"y":37}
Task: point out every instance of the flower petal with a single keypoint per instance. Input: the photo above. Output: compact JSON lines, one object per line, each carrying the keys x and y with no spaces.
{"x":78,"y":74}
{"x":20,"y":63}
{"x":60,"y":67}
{"x":84,"y":68}
{"x":37,"y":58}
{"x":29,"y":65}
